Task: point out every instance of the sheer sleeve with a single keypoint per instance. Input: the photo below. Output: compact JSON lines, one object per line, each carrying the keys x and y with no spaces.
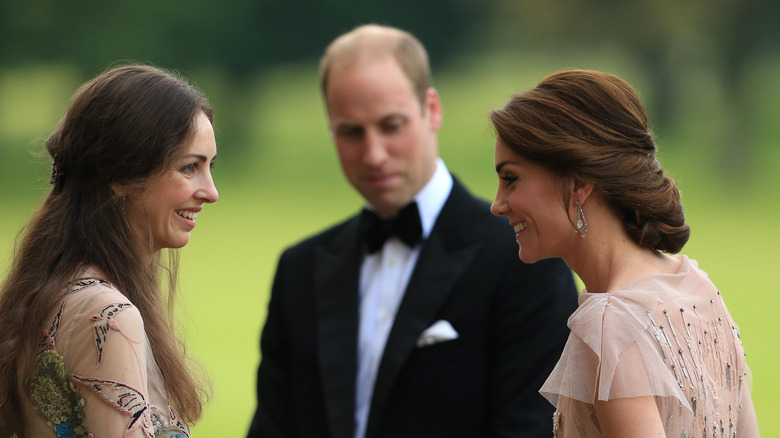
{"x":95,"y":374}
{"x":103,"y":342}
{"x":748,"y":423}
{"x":612,"y":352}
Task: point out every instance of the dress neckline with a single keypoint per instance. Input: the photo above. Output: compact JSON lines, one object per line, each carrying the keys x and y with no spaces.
{"x":678,"y":280}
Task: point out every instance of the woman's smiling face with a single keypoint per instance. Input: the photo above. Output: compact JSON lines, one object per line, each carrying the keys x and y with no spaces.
{"x":531,"y":197}
{"x":169,"y":205}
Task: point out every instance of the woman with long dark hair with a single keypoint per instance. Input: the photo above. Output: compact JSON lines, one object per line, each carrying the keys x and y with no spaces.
{"x":88,"y":344}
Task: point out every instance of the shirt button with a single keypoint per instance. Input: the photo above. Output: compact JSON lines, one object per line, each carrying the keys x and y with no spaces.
{"x":384,"y":318}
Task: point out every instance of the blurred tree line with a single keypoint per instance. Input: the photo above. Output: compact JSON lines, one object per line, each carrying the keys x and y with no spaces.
{"x":234,"y":41}
{"x":243,"y":37}
{"x":664,"y":38}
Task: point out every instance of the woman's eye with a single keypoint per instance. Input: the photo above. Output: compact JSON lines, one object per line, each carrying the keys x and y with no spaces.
{"x":508,"y":179}
{"x":190,"y":168}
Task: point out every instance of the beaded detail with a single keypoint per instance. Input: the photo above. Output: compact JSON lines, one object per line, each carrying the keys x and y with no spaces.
{"x":557,"y":424}
{"x":669,"y":336}
{"x":697,"y":349}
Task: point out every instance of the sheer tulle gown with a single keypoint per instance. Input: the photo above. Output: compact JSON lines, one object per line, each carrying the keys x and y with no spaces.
{"x":663,"y":335}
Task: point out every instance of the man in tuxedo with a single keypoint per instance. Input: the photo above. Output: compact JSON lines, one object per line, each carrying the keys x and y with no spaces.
{"x":415,"y":317}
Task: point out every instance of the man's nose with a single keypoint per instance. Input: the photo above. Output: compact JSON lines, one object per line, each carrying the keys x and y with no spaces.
{"x":376,"y":151}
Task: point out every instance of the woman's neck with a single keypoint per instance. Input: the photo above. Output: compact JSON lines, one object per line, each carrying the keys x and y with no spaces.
{"x":607,"y":259}
{"x":613,"y":267}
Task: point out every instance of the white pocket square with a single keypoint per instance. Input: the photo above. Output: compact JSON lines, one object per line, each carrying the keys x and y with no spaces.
{"x":440,"y":331}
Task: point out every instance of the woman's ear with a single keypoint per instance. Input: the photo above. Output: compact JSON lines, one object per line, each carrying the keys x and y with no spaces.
{"x":582,"y":190}
{"x":119,"y":190}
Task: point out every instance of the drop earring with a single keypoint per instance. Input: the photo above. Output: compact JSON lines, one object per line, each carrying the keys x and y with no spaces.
{"x":581,"y":224}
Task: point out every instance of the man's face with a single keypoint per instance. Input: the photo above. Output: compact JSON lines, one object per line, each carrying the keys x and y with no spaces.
{"x":385,"y":138}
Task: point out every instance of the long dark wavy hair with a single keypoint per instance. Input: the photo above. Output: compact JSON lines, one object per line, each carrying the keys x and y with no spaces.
{"x":591,"y":126}
{"x":125,"y":126}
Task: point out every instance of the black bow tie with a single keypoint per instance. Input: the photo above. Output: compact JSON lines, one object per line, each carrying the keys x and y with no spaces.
{"x":406,"y":226}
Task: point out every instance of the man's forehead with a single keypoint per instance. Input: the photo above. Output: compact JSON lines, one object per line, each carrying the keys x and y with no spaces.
{"x":362,"y":62}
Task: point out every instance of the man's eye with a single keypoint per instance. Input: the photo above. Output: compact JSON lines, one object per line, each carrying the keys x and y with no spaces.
{"x":350,"y":133}
{"x":391,"y":127}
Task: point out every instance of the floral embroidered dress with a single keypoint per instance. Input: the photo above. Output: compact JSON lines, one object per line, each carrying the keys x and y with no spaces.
{"x":665,"y":335}
{"x":95,"y":375}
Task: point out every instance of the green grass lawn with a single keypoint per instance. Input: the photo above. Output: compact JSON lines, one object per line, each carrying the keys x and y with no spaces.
{"x":289,"y":186}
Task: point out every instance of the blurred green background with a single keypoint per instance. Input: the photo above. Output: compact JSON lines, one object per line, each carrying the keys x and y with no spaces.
{"x":707,"y":70}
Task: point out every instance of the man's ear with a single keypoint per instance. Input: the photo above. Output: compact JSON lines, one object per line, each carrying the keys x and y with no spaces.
{"x":433,"y":106}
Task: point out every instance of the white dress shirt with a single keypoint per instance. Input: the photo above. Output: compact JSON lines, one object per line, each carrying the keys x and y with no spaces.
{"x":384,"y":276}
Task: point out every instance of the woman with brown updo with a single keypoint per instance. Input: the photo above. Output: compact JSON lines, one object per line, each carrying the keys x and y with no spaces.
{"x":653,"y":351}
{"x":88,"y":345}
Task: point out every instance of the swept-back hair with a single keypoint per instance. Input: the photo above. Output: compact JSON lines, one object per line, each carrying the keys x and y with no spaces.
{"x":590,"y":126}
{"x":125,"y":126}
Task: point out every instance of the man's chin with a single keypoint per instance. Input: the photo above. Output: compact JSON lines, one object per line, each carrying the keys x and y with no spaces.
{"x":389,"y":206}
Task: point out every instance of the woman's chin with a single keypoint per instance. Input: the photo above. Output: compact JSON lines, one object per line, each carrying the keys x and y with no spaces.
{"x":527,"y":257}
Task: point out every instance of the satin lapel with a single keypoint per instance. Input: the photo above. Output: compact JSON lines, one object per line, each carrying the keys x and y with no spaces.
{"x":435,"y":275}
{"x":336,"y":293}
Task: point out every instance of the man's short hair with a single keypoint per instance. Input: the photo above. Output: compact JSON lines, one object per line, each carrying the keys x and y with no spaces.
{"x":374,"y":42}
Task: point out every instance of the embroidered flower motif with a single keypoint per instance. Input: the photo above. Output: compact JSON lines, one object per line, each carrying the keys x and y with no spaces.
{"x":55,"y":398}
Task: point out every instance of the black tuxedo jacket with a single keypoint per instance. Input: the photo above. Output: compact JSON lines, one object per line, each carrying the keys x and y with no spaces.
{"x":510,"y":317}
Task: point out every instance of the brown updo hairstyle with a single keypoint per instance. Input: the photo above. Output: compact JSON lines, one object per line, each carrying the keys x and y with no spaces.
{"x":587,"y":125}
